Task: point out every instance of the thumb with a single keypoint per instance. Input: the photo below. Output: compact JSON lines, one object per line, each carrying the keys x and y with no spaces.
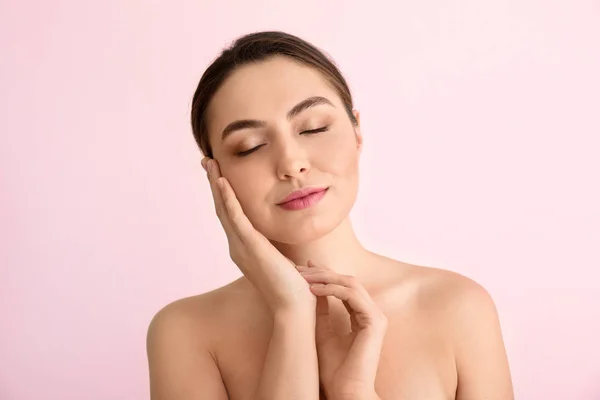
{"x":323,"y":325}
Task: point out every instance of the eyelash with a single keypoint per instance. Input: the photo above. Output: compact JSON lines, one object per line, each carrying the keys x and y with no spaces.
{"x":310,"y":132}
{"x":313,"y":131}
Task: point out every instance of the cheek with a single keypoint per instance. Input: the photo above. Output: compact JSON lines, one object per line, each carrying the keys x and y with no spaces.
{"x":249,"y":188}
{"x":340,"y":155}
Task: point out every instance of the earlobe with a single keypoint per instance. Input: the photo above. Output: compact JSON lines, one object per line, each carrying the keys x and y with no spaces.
{"x":359,"y":139}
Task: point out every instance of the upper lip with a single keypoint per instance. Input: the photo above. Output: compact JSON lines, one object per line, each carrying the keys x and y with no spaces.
{"x":302,"y":193}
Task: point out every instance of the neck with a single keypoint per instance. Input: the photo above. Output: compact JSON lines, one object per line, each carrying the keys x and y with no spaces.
{"x":339,"y":250}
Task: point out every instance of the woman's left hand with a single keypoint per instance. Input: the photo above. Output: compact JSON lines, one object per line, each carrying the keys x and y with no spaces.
{"x":347,"y":363}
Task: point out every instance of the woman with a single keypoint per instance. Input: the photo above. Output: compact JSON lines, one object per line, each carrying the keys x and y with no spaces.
{"x":316,"y":315}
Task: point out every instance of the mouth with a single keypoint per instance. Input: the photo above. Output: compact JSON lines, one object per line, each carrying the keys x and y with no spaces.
{"x":303,"y":198}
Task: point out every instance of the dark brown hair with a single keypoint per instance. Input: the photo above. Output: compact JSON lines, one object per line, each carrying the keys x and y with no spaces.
{"x":256,"y":47}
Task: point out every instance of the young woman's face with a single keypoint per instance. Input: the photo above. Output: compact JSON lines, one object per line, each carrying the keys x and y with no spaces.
{"x":282,"y":151}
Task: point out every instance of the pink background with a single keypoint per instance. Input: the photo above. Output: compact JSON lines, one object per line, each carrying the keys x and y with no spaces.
{"x":481,"y":124}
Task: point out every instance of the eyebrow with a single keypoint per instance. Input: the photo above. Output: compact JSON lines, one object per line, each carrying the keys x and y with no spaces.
{"x":255,"y":123}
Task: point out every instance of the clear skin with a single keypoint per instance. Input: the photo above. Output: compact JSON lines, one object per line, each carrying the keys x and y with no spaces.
{"x":315,"y":306}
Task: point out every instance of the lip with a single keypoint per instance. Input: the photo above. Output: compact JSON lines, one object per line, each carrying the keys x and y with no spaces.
{"x":298,"y":194}
{"x":303,"y":199}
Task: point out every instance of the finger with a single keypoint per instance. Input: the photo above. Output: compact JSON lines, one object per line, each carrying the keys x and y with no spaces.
{"x":312,"y":267}
{"x":330,"y":277}
{"x":350,"y":311}
{"x":316,"y":274}
{"x":234,"y":212}
{"x":366,"y":352}
{"x":327,"y":275}
{"x":354,"y":325}
{"x":213,"y":173}
{"x":359,"y":305}
{"x":323,"y":331}
{"x":227,"y":206}
{"x":355,"y":299}
{"x":309,"y":267}
{"x":367,"y":321}
{"x":312,"y":264}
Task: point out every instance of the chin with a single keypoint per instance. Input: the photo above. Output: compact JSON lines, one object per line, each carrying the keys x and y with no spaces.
{"x":300,"y":229}
{"x":312,"y":230}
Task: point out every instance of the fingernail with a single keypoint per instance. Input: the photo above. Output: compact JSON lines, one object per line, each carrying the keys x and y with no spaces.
{"x":209,"y":166}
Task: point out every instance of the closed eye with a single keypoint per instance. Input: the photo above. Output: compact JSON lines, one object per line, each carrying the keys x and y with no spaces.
{"x":323,"y":129}
{"x":249,"y":151}
{"x":309,"y":132}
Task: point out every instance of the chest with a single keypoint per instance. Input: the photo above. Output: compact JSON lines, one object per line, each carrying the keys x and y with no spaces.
{"x":415,"y":361}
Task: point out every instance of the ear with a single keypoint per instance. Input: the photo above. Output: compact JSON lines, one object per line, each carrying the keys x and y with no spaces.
{"x":357,"y":132}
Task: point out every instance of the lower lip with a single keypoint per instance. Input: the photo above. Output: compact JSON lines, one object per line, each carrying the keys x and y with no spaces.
{"x":304,"y":202}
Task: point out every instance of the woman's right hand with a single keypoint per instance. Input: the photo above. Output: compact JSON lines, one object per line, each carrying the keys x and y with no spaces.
{"x":272,"y":274}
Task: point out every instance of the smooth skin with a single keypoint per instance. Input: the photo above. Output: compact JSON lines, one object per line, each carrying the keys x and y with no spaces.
{"x":315,"y":314}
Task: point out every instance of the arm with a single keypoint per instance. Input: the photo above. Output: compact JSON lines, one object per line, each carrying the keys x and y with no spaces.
{"x":180,"y":363}
{"x":290,"y":369}
{"x":481,"y":361}
{"x":182,"y":366}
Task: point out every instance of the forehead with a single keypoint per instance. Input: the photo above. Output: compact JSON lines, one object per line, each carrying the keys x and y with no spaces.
{"x":266,"y":90}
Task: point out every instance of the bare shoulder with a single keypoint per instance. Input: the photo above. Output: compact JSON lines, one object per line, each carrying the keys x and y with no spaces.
{"x":445,"y":298}
{"x":450,"y":288}
{"x":464,"y":313}
{"x":198,"y":316}
{"x":426,"y":285}
{"x":431,"y":288}
{"x":181,"y":343}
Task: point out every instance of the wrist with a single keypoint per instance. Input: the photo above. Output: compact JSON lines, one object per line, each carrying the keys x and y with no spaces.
{"x":295,"y":314}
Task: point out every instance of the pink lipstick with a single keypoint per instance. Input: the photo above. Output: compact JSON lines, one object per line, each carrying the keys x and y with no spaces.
{"x":303,"y":198}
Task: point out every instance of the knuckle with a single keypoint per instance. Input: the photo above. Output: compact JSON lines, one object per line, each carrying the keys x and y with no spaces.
{"x":236,"y":217}
{"x":234,"y":254}
{"x":352,"y":281}
{"x":382,"y":320}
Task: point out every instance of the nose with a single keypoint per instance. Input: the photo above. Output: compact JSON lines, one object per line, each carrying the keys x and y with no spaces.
{"x":292,"y":161}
